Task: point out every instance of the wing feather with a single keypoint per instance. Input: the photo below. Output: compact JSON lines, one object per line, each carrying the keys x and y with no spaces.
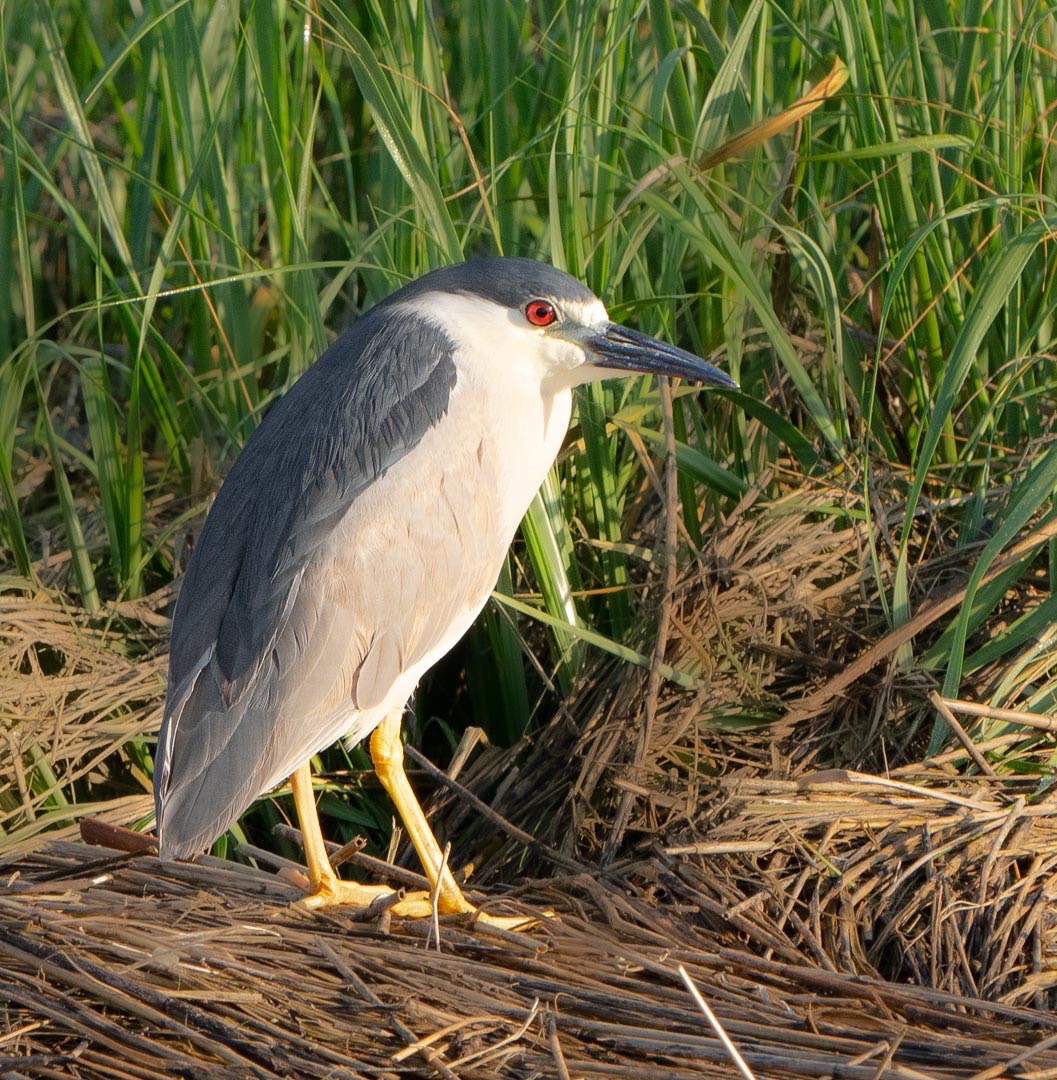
{"x":245,"y":617}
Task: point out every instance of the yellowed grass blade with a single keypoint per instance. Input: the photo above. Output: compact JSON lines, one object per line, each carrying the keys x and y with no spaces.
{"x":753,"y":136}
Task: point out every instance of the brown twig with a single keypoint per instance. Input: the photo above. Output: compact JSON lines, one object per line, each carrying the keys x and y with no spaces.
{"x":961,"y":735}
{"x":1012,"y":716}
{"x":926,"y":616}
{"x":491,"y":815}
{"x":668,"y":582}
{"x":550,"y":1025}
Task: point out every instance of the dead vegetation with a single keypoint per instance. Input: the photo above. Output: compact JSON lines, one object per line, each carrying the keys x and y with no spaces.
{"x":846,"y":904}
{"x":127,"y":967}
{"x":72,"y":695}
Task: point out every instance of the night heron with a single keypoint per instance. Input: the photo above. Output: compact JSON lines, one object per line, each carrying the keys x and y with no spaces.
{"x":358,"y":535}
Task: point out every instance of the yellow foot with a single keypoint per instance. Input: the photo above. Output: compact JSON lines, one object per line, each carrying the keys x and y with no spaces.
{"x":334,"y":892}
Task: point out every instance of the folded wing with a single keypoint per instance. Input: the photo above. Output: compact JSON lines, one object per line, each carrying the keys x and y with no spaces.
{"x":254,"y":641}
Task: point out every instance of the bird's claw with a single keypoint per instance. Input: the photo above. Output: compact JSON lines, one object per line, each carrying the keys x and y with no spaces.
{"x":334,"y":892}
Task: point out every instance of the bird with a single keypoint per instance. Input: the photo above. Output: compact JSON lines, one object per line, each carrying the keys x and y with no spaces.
{"x":359,"y":533}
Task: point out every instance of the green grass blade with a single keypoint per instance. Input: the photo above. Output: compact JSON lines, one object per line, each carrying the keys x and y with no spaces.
{"x":1034,"y":492}
{"x":82,"y":563}
{"x":685,"y":679}
{"x":389,"y":116}
{"x":551,"y":552}
{"x":998,"y":279}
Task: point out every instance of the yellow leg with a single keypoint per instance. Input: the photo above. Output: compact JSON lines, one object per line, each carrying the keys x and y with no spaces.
{"x":387,"y":754}
{"x":325,"y":887}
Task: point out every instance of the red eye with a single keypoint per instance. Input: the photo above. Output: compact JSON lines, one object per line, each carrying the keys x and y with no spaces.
{"x":541,"y":313}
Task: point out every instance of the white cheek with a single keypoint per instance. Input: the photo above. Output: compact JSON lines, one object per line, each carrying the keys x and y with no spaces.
{"x":564,"y":357}
{"x":590,"y":312}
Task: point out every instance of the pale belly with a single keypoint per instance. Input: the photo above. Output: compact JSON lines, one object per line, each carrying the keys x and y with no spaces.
{"x":417,"y":556}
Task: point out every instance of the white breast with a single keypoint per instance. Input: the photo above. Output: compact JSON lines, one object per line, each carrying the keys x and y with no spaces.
{"x":504,"y":385}
{"x":417,"y":555}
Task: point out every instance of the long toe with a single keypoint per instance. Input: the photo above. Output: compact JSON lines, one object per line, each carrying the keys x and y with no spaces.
{"x":412,"y":905}
{"x":512,"y":922}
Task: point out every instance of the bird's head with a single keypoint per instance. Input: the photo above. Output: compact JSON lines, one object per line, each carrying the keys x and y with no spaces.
{"x":519,"y":308}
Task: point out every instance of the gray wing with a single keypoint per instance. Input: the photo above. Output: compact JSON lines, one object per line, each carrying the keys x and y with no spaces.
{"x":242,"y":618}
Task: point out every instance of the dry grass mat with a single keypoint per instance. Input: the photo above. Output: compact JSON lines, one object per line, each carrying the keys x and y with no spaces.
{"x":118,"y":966}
